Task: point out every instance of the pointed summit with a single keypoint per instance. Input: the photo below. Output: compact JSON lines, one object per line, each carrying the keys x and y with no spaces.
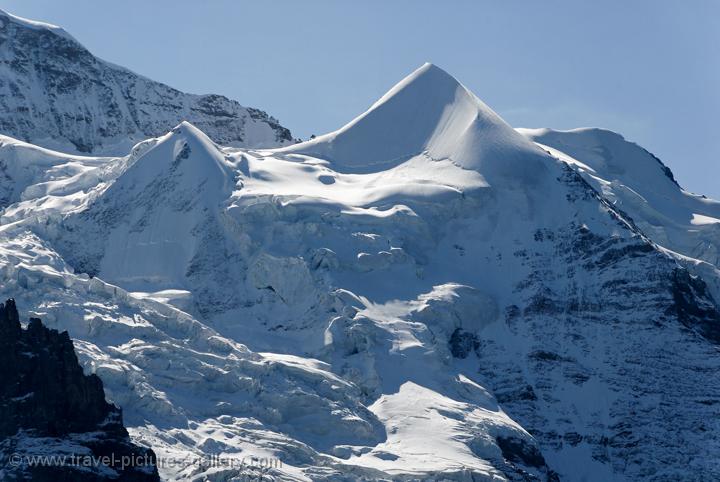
{"x":427,"y":79}
{"x":184,"y":154}
{"x":428,"y":111}
{"x":150,"y":223}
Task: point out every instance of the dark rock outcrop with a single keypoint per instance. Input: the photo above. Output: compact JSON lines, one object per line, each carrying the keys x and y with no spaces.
{"x":517,"y":451}
{"x":47,"y":401}
{"x":463,"y":343}
{"x":693,"y":305}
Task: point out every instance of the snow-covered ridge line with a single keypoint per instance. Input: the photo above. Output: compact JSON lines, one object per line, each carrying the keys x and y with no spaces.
{"x":427,"y":112}
{"x":425,"y":293}
{"x":638,"y":183}
{"x":27,"y":23}
{"x":55,"y":93}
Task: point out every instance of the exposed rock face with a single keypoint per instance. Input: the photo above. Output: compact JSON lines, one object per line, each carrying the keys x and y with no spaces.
{"x":692,"y":307}
{"x":48,"y":406}
{"x":55,"y":93}
{"x":615,"y":325}
{"x":463,"y":343}
{"x":516,"y":450}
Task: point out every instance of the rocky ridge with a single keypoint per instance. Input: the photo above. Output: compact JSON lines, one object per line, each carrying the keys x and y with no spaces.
{"x":57,"y":94}
{"x":49,"y":407}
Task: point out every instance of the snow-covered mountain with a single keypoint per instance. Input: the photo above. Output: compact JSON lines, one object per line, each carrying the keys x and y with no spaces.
{"x":56,"y":94}
{"x":638,"y":183}
{"x":425,"y":293}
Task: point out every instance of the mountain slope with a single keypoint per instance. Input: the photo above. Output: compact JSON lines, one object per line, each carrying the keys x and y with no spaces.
{"x":428,"y":112}
{"x":422,"y":294}
{"x":55,"y":93}
{"x":638,"y":183}
{"x":48,"y":407}
{"x":167,"y":194}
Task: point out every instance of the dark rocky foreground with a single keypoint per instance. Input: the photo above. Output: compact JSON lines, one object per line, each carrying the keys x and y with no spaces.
{"x":50,"y":408}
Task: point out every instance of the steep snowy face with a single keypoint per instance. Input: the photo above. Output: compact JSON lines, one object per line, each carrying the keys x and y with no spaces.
{"x":150,"y":226}
{"x":423,"y":294}
{"x":638,"y":183}
{"x":55,"y":93}
{"x":431,"y":113}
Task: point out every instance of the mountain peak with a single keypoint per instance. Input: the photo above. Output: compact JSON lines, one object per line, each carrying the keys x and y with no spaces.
{"x":428,"y":112}
{"x":120,"y":108}
{"x":427,"y":78}
{"x":187,"y":130}
{"x":6,"y":17}
{"x":154,"y":215}
{"x":609,"y":155}
{"x":185,"y":153}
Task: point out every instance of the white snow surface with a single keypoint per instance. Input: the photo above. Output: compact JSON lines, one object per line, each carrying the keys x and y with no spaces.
{"x":428,"y":113}
{"x":34,"y":24}
{"x":391,"y":301}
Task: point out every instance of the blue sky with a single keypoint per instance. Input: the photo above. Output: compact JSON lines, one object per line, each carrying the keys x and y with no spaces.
{"x":647,"y":69}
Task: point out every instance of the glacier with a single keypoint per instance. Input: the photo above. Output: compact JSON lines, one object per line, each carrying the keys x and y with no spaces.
{"x":424,"y":294}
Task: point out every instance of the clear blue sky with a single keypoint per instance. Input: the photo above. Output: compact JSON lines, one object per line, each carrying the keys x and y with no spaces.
{"x":647,"y":69}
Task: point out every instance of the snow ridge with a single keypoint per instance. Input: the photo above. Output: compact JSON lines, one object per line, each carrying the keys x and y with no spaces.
{"x":56,"y":94}
{"x":427,"y":112}
{"x":422,"y":294}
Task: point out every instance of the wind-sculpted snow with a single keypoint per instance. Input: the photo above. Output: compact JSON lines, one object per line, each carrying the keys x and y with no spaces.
{"x":456,"y":305}
{"x":55,"y":93}
{"x":427,"y":113}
